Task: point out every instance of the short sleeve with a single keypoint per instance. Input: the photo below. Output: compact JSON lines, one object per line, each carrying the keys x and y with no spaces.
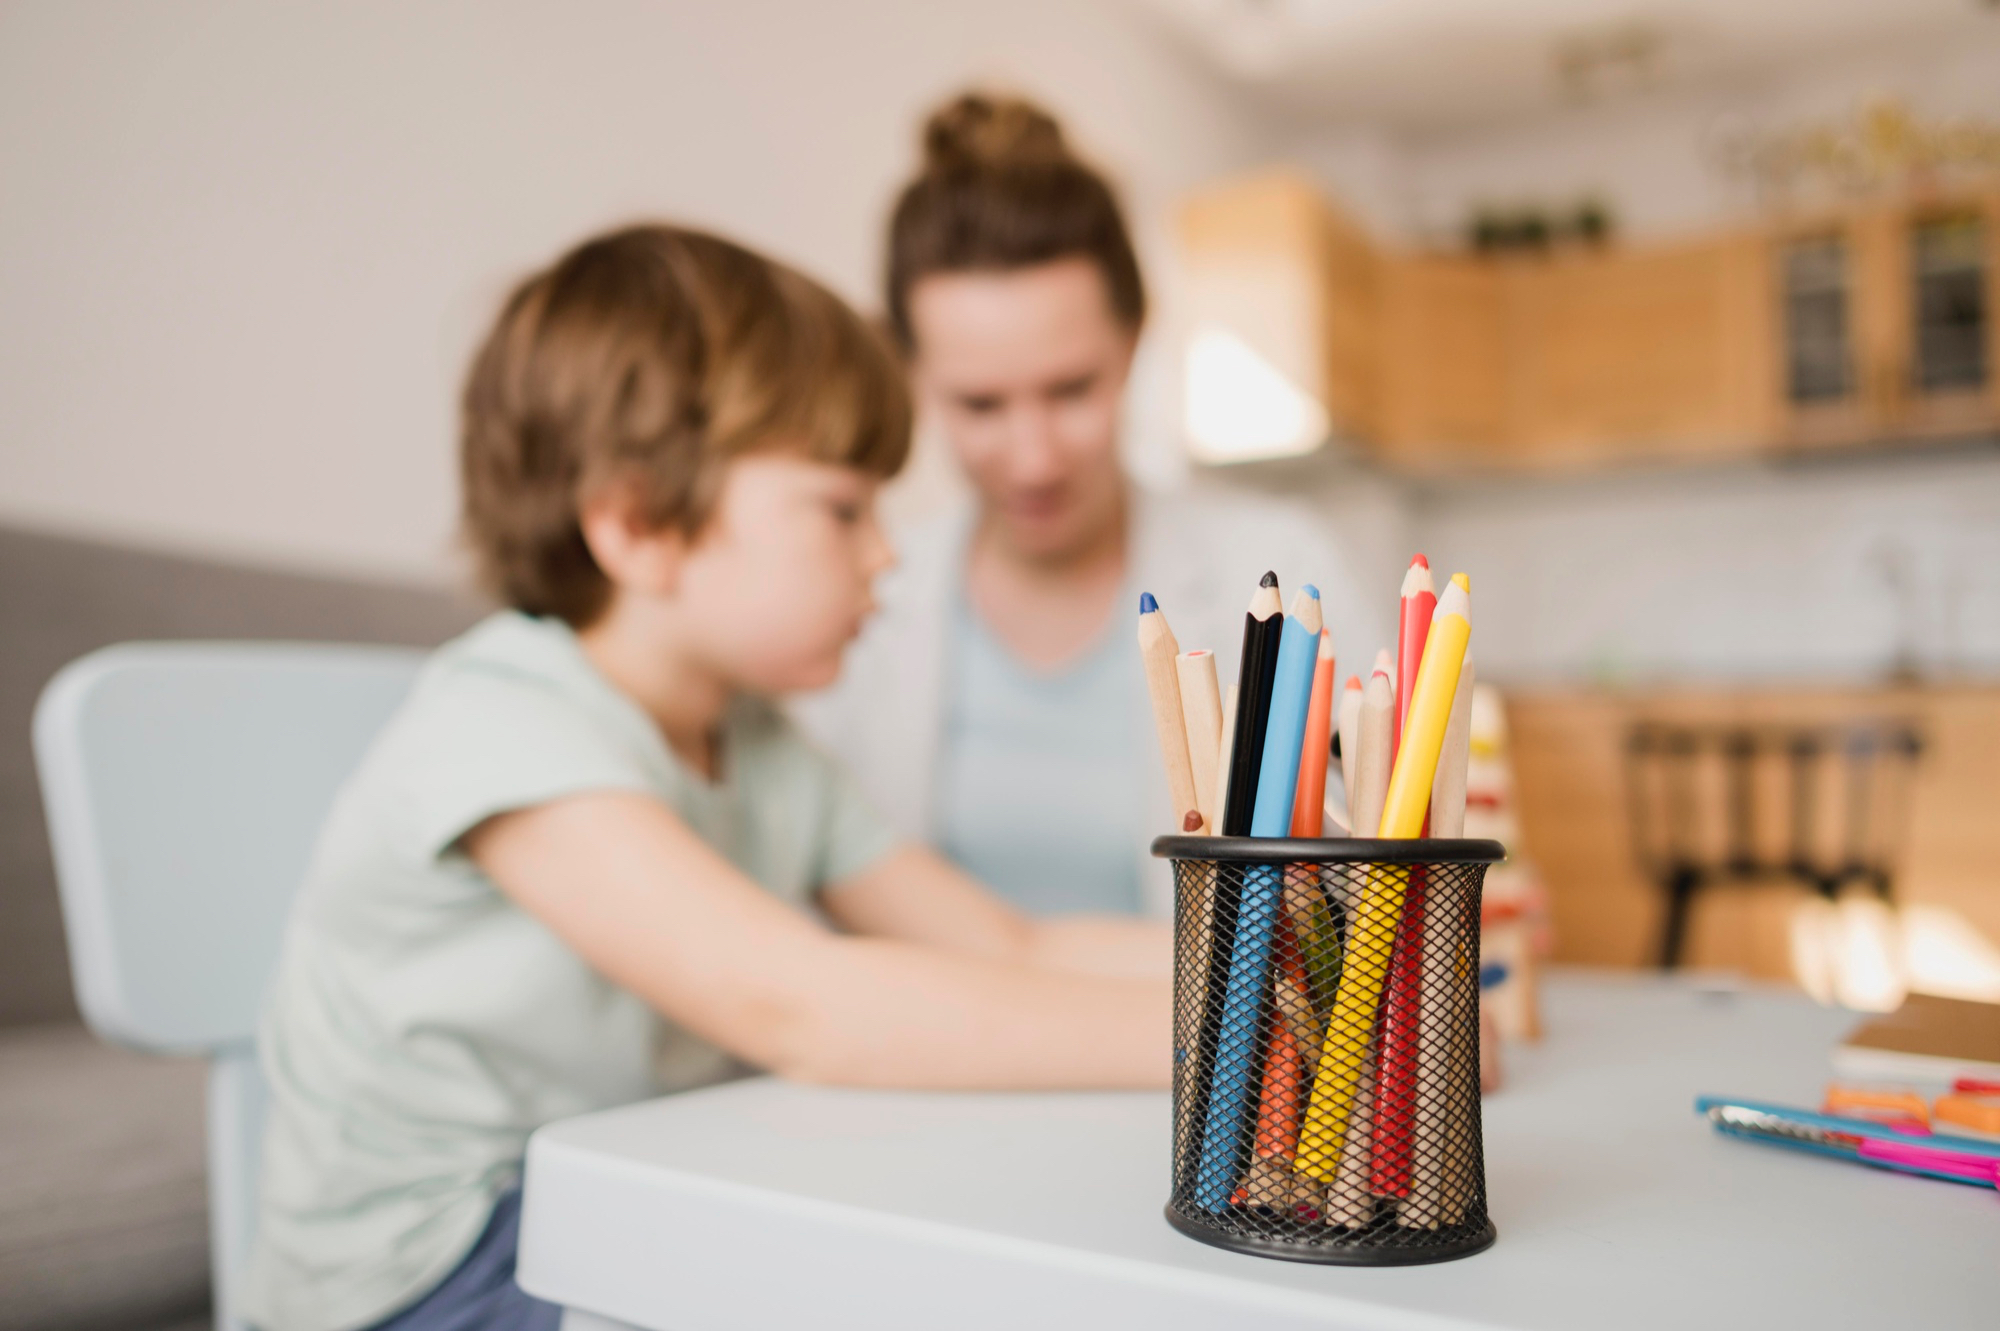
{"x":474,"y":745}
{"x":854,"y":834}
{"x":806,"y":790}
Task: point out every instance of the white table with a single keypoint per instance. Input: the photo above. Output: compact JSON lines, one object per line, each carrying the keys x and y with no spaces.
{"x":765,"y":1205}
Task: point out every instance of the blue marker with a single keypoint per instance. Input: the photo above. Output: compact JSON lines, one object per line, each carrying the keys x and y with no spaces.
{"x":1234,"y":1077}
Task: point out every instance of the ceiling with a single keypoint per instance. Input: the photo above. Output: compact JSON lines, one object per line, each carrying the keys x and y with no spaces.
{"x":1437,"y":64}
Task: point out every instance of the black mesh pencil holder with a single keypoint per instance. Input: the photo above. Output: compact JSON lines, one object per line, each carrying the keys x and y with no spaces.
{"x":1326,"y":1047}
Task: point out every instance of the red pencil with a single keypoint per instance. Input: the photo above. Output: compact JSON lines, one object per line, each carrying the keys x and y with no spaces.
{"x":1396,"y":1087}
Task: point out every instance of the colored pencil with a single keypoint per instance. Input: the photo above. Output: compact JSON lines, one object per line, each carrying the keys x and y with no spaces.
{"x":1444,"y":944}
{"x":1258,"y":911}
{"x":1315,"y":749}
{"x":1348,"y":1201}
{"x":1429,"y":712}
{"x":1201,"y":710}
{"x":1225,"y":751}
{"x":1416,"y":604}
{"x":1454,"y":760}
{"x":1263,"y":628}
{"x":1372,"y":925}
{"x":1374,"y":754}
{"x":1158,"y":649}
{"x":1350,"y":743}
{"x":1402,"y":1014}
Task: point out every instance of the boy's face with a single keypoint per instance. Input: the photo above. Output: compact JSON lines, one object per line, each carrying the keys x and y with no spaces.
{"x":778,"y":581}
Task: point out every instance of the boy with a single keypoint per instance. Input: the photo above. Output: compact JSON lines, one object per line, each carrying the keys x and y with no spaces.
{"x":575,"y":869}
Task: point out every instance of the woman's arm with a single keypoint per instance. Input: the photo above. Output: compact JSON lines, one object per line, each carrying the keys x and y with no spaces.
{"x":619,"y":878}
{"x":918,"y":896}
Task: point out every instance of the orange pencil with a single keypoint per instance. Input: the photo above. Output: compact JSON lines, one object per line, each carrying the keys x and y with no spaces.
{"x":1309,"y":808}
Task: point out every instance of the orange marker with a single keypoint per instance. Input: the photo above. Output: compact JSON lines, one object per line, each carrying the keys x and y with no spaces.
{"x":1309,"y":807}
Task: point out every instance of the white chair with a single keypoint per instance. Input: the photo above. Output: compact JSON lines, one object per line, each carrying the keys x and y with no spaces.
{"x":185,"y":784}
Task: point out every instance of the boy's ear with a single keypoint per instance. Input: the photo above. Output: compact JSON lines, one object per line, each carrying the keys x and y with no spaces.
{"x":635,"y":555}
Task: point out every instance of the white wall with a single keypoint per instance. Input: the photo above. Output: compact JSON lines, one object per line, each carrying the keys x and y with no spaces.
{"x":245,"y":247}
{"x":1655,"y":156}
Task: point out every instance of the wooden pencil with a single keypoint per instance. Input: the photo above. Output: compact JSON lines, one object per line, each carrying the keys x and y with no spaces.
{"x":1263,"y":629}
{"x":1415,"y":606}
{"x":1157,"y":649}
{"x":1454,"y":760}
{"x":1350,"y":743}
{"x":1225,"y":750}
{"x":1201,"y":710}
{"x":1372,"y":925}
{"x":1315,"y":750}
{"x":1231,"y":1103}
{"x":1435,"y":1138}
{"x":1402,"y":1007}
{"x":1374,"y":753}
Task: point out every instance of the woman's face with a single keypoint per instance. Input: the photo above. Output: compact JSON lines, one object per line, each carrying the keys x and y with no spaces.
{"x":1025,"y":370}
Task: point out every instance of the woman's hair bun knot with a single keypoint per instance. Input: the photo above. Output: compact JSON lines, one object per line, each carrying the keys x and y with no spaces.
{"x":988,"y":132}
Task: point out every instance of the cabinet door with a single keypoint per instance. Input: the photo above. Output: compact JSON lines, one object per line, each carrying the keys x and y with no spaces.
{"x":1631,"y":355}
{"x":1825,"y":397}
{"x":1444,"y":365}
{"x":1945,"y":373}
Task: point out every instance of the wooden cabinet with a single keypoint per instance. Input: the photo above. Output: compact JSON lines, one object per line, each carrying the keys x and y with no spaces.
{"x":1866,"y":326}
{"x":1445,"y":386}
{"x":1627,"y":355}
{"x":1570,"y":781}
{"x":1281,"y":268}
{"x":1886,"y":323}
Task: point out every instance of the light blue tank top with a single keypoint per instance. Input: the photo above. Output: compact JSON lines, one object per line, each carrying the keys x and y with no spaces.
{"x":1036,"y":796}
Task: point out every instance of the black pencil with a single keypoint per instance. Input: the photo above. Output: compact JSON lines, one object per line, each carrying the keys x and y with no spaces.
{"x":1263,"y":626}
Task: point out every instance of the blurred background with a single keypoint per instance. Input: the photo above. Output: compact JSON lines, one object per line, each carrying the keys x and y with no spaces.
{"x":1670,"y":321}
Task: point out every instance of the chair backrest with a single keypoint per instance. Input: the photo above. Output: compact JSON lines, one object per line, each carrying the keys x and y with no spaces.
{"x":185,"y":784}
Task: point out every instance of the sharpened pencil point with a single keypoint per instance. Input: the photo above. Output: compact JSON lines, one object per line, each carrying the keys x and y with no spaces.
{"x":1464,"y":583}
{"x":1191,"y":821}
{"x":1147,"y":605}
{"x":1311,"y":591}
{"x":1420,"y":562}
{"x":1268,"y":580}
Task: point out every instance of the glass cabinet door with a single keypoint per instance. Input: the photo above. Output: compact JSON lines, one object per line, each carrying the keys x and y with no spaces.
{"x":1819,"y":352}
{"x":1949,"y":307}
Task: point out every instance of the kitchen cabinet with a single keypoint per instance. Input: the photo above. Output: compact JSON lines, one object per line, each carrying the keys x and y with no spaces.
{"x":1886,"y":323}
{"x":1868,"y":325}
{"x":1568,"y":751}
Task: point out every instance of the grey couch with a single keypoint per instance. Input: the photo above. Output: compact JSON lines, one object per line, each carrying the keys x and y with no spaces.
{"x":102,"y":1220}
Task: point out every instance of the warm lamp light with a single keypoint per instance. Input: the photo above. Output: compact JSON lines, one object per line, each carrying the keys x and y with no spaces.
{"x":1242,"y":408}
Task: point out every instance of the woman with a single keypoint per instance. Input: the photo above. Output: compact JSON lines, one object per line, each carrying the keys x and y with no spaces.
{"x":996,"y":707}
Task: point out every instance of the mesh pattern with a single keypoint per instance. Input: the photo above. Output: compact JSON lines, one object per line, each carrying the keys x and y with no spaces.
{"x":1326,"y":1079}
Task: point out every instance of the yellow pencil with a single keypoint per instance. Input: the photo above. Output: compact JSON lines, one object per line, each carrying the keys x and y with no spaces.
{"x":1372,"y":932}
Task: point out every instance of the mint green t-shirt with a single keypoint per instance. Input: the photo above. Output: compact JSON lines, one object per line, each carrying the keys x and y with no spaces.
{"x":420,"y":1025}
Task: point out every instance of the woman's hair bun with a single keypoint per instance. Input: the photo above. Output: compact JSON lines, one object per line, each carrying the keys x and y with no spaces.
{"x":984,"y":131}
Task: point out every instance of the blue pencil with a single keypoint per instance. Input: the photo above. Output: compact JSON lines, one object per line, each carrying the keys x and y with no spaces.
{"x":1235,"y":1076}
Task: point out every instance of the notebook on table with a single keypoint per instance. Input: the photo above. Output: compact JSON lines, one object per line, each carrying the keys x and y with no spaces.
{"x":1926,"y":1039}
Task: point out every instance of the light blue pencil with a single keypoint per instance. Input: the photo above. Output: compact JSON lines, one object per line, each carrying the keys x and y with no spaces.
{"x":1235,"y":1077}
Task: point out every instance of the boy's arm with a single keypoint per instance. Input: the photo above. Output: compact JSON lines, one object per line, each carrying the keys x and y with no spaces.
{"x":624,"y":882}
{"x":917,"y":895}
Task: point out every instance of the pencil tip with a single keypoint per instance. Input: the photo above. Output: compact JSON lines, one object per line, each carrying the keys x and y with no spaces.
{"x":1147,"y":605}
{"x":1354,"y":681}
{"x":1311,"y":591}
{"x":1191,"y":821}
{"x":1463,"y":583}
{"x":1420,"y":562}
{"x":1268,"y":580}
